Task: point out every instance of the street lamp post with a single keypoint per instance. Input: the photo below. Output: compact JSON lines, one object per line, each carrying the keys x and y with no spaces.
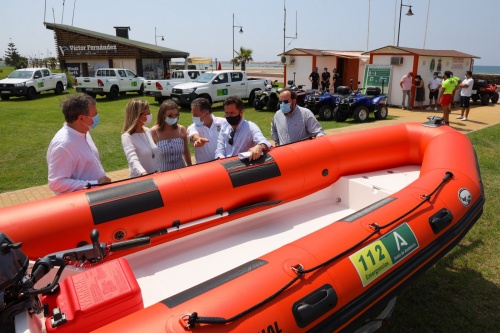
{"x":241,"y":31}
{"x":158,"y":36}
{"x":410,"y":13}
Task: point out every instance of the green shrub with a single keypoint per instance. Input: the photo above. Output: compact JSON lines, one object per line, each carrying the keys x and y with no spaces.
{"x":71,"y":79}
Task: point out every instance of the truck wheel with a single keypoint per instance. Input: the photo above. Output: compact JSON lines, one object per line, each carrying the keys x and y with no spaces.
{"x":207,"y":97}
{"x":59,"y":88}
{"x":494,"y":98}
{"x":141,"y":91}
{"x":339,"y":116}
{"x":382,"y":112}
{"x":485,"y":98}
{"x":325,"y":112}
{"x":251,"y":98}
{"x":31,"y":93}
{"x":113,"y":93}
{"x":361,"y":113}
{"x":5,"y":97}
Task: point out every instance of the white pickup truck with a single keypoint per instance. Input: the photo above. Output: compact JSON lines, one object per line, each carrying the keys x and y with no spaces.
{"x":31,"y":81}
{"x":217,"y":86}
{"x":161,"y":89}
{"x":110,"y":82}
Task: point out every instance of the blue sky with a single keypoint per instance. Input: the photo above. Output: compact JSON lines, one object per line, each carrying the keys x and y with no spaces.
{"x":205,"y":28}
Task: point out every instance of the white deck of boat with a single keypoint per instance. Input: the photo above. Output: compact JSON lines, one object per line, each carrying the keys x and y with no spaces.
{"x":173,"y":267}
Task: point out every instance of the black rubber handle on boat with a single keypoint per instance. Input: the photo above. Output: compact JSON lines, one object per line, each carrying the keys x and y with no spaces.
{"x":130,"y":244}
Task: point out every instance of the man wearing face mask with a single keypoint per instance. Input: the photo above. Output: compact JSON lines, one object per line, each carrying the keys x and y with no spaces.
{"x":293,"y":123}
{"x":72,"y":157}
{"x":204,"y":131}
{"x":239,"y":135}
{"x":434,"y":85}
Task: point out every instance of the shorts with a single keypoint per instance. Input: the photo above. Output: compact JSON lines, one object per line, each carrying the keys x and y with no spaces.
{"x":446,"y":99}
{"x":465,"y":101}
{"x":434,"y":94}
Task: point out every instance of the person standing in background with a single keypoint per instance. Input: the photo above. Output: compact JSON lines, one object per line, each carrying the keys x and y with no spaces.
{"x":446,"y":95}
{"x":72,"y":157}
{"x":434,"y":85}
{"x":465,"y":94}
{"x":335,"y":79}
{"x":325,"y":80}
{"x":140,"y":150}
{"x":406,"y":84}
{"x":419,"y":91}
{"x":171,"y":138}
{"x":314,"y":78}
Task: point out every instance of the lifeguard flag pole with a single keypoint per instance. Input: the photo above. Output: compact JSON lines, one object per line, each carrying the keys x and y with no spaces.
{"x":219,"y":67}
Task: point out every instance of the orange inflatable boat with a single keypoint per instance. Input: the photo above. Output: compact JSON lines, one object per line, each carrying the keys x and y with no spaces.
{"x":315,"y":236}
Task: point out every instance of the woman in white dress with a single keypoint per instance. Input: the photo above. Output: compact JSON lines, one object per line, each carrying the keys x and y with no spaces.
{"x":142,"y":153}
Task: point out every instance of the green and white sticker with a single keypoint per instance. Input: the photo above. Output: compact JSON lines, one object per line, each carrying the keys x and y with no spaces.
{"x":222,"y":92}
{"x":376,"y":258}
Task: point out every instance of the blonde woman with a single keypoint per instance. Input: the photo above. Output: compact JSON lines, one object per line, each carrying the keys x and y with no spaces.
{"x":171,"y":138}
{"x":140,"y":149}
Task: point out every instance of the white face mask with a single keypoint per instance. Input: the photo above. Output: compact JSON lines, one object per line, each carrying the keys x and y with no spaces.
{"x":171,"y":121}
{"x":149,"y":117}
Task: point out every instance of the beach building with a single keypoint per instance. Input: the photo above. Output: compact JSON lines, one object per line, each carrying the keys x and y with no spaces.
{"x":299,"y":63}
{"x":81,"y":52}
{"x":390,"y":63}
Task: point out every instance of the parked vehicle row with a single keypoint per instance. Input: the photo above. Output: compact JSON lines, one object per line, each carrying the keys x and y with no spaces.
{"x":110,"y":82}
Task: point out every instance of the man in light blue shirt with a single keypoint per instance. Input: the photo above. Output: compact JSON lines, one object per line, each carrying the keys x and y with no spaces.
{"x":238,"y":135}
{"x":293,"y":123}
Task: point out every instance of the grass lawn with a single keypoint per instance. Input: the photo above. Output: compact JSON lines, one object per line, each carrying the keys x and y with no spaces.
{"x":460,"y":293}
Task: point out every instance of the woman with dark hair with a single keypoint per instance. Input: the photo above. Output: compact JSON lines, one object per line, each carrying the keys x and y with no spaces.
{"x":171,"y":138}
{"x":419,"y":91}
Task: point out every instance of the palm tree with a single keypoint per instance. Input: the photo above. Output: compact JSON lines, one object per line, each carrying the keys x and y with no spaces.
{"x":244,"y":56}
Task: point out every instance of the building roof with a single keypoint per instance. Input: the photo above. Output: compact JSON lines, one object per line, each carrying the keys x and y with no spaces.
{"x":422,"y":52}
{"x":163,"y":51}
{"x":341,"y":54}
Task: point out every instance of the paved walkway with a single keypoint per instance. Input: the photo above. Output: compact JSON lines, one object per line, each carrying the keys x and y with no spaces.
{"x":480,"y":117}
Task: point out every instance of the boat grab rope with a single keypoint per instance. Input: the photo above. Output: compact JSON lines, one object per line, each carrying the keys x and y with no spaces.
{"x":190,"y":320}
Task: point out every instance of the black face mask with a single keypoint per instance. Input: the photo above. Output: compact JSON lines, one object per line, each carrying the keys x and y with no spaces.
{"x":233,"y":121}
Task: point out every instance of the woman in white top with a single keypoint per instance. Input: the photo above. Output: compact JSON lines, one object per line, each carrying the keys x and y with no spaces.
{"x":141,"y":151}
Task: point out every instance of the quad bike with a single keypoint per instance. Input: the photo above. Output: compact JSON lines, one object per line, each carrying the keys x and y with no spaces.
{"x":21,"y":302}
{"x":266,"y":98}
{"x":324,"y":103}
{"x":484,"y":91}
{"x":359,"y":106}
{"x":301,"y":94}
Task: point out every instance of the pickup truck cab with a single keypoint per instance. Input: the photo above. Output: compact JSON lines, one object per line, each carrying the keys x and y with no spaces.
{"x":216,"y":86}
{"x":31,"y":81}
{"x":161,"y":89}
{"x":110,"y":82}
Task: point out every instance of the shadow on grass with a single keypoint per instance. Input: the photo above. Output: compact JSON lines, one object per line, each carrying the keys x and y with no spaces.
{"x":448,"y":298}
{"x":40,"y":96}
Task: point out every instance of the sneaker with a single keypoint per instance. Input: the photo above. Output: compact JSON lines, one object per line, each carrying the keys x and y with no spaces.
{"x":429,"y":108}
{"x":460,"y":117}
{"x":464,"y":118}
{"x":435,"y":109}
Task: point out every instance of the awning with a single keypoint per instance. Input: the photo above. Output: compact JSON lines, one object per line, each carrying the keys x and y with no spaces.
{"x":199,"y":60}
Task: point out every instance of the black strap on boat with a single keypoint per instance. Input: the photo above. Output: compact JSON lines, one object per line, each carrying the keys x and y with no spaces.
{"x":192,"y":319}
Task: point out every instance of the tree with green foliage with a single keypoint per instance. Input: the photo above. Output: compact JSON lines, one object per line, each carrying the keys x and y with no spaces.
{"x":12,"y":58}
{"x":244,"y":56}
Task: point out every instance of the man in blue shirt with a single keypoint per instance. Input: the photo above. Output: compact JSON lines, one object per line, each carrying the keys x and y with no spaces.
{"x":238,"y":135}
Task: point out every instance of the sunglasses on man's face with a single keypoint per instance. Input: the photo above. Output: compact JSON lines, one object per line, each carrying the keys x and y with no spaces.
{"x":231,"y":136}
{"x":285,"y":101}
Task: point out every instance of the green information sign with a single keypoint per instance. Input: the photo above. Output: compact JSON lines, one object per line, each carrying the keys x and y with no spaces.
{"x":377,"y":257}
{"x":375,"y":75}
{"x":222,"y":92}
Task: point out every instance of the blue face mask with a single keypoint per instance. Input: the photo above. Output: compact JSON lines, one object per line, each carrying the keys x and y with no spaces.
{"x":197,"y":121}
{"x":171,"y":121}
{"x":285,"y":108}
{"x":95,"y":121}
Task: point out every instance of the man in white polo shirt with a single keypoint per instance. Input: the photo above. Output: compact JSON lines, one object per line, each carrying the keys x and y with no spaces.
{"x":406,"y":84}
{"x":434,"y":86}
{"x":465,"y":93}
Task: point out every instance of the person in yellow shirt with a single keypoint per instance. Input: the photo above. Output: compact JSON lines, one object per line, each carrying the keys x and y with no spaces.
{"x":448,"y":87}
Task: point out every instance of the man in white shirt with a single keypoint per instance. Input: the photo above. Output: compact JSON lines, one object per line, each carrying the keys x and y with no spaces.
{"x":204,"y":131}
{"x":465,"y":93}
{"x":72,"y":157}
{"x":434,"y":86}
{"x":406,"y":84}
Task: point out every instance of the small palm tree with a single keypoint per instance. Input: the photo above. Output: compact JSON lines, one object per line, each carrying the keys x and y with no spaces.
{"x":244,"y":56}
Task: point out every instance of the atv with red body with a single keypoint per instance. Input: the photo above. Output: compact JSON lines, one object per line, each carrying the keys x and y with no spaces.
{"x":483,"y":91}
